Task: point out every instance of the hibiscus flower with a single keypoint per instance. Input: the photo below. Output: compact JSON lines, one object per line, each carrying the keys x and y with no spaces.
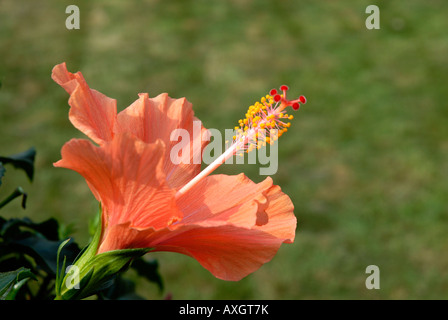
{"x":229,"y":224}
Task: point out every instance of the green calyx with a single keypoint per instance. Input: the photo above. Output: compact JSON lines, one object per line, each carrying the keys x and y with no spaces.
{"x":92,"y":272}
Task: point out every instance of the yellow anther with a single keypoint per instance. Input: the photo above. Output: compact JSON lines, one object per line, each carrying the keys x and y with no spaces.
{"x":263,"y":124}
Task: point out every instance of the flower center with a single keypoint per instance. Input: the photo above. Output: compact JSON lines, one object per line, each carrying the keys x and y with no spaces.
{"x":265,"y":122}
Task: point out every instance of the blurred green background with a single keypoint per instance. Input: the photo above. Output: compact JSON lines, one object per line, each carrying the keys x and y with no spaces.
{"x":365,"y":161}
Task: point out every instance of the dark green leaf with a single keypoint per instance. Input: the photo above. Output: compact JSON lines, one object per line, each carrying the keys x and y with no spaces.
{"x":40,"y":241}
{"x":12,"y":281}
{"x":16,"y":193}
{"x":122,"y":289}
{"x":23,"y":160}
{"x":21,"y":228}
{"x":2,"y":172}
{"x":45,"y":251}
{"x":148,"y":269}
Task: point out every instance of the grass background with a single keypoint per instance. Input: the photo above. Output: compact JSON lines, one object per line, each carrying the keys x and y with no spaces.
{"x":365,"y":161}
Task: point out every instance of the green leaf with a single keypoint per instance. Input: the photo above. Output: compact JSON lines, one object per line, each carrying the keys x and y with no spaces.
{"x":15,"y":289}
{"x":45,"y":251}
{"x":23,"y":227}
{"x":39,"y":241}
{"x":23,"y":160}
{"x":12,"y":281}
{"x":100,"y":269}
{"x":60,"y":272}
{"x":24,"y":243}
{"x":16,"y":193}
{"x":2,"y":172}
{"x":95,"y":272}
